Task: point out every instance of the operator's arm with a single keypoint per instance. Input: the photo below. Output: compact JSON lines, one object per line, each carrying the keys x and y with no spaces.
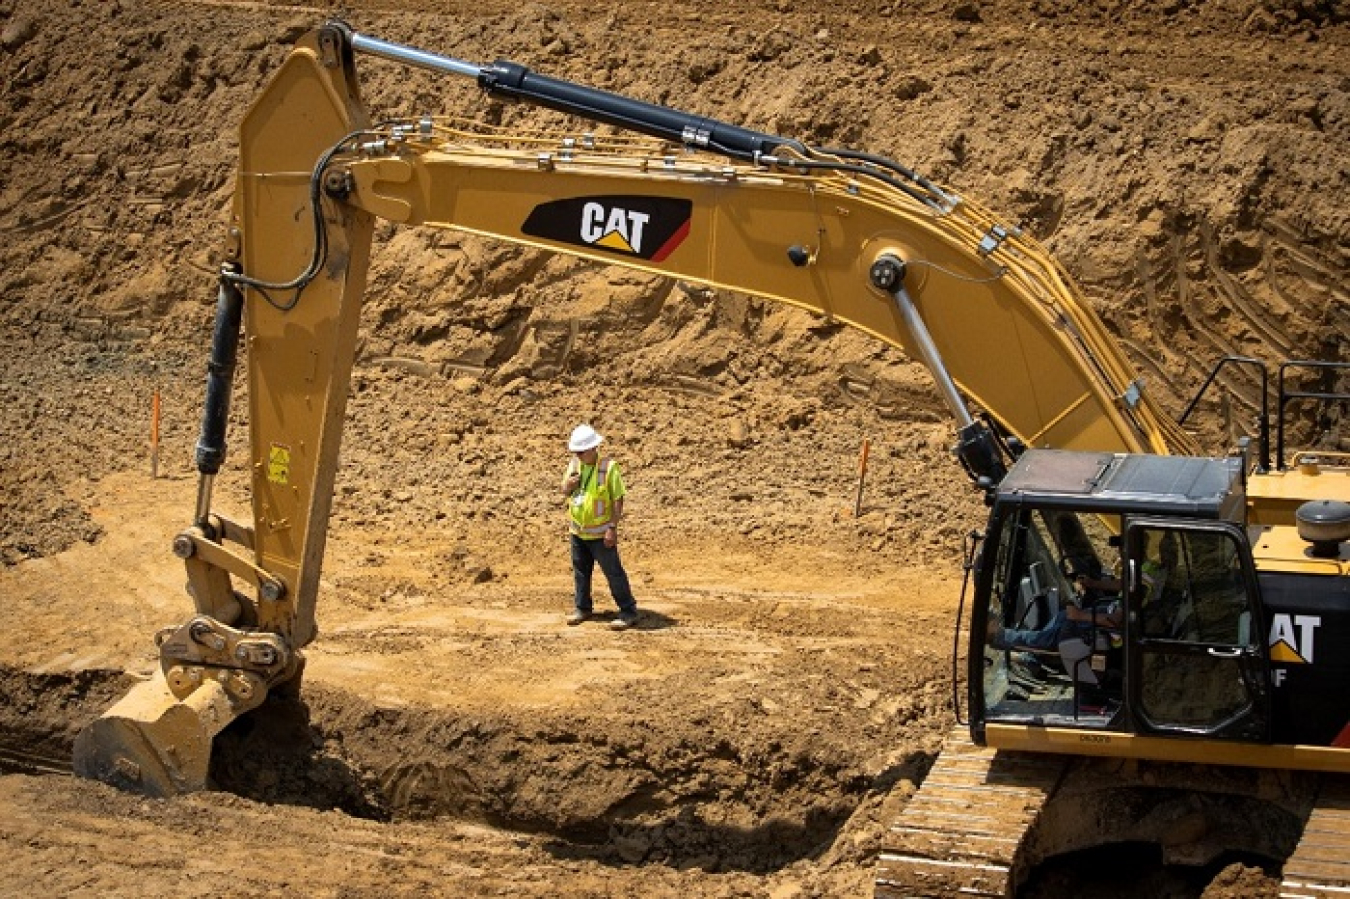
{"x":1104,"y":584}
{"x":1109,"y":617}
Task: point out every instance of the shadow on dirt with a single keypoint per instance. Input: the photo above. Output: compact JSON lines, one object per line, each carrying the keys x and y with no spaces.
{"x":687,"y":840}
{"x":1127,"y":870}
{"x":276,"y":755}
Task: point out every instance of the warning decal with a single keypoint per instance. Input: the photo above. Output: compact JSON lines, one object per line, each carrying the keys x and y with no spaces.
{"x":279,"y":464}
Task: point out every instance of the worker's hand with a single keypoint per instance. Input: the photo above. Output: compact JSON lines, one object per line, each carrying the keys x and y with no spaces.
{"x":611,"y":538}
{"x":572,"y":483}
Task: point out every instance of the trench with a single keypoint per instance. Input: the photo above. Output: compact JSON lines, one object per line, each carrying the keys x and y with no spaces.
{"x":612,"y":795}
{"x":621,"y":796}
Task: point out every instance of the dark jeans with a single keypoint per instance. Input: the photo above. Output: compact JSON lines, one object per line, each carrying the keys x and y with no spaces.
{"x":1046,"y":638}
{"x":585,"y":554}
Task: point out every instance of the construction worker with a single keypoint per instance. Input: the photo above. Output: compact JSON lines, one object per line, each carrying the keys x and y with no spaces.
{"x":594,"y":492}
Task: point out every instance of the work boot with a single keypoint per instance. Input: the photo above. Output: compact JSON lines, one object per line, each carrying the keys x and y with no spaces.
{"x":577,"y":617}
{"x":624,"y":621}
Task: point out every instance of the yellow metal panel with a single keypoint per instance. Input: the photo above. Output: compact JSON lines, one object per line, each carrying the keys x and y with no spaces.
{"x":1280,"y":548}
{"x":1166,"y":749}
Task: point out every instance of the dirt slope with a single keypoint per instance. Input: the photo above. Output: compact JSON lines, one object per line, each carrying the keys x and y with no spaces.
{"x":1186,"y":161}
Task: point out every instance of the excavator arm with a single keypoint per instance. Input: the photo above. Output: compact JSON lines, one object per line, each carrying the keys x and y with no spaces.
{"x":849,"y":236}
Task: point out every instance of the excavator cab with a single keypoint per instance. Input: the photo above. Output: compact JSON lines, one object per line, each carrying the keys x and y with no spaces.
{"x":1145,"y":649}
{"x":1117,"y":593}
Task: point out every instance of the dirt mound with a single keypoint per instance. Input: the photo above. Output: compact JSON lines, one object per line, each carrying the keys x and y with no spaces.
{"x":1185,"y":161}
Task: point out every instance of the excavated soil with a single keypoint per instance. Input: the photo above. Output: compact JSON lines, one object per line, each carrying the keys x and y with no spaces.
{"x":791,"y":680}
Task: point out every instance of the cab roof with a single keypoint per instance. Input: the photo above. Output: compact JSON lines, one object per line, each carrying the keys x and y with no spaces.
{"x":1127,"y":483}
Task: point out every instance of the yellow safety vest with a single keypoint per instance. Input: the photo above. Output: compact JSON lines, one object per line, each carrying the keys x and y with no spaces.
{"x":591,"y":505}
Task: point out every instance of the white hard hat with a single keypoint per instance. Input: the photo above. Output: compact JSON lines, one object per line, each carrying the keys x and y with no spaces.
{"x":584,"y":438}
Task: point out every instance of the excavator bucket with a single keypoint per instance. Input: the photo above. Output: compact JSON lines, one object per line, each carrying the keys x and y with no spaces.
{"x":154,"y":743}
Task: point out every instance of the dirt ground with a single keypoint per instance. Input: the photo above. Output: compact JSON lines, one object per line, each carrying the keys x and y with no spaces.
{"x":790,"y":683}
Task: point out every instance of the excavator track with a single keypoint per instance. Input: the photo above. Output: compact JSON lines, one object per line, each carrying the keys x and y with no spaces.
{"x":962,"y":833}
{"x":1320,"y":865}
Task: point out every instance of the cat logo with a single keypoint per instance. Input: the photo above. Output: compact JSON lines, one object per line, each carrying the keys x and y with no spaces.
{"x":648,"y":228}
{"x":617,"y":229}
{"x":1292,"y":641}
{"x":1291,"y":638}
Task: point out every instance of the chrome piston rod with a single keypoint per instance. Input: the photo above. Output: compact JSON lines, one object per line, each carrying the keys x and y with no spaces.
{"x":977,"y":447}
{"x":414,"y":57}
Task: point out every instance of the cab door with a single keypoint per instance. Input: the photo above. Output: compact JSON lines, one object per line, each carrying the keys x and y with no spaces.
{"x":1197,"y":660}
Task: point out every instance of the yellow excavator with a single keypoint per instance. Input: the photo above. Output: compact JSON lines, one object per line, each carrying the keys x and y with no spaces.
{"x":1233,"y":666}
